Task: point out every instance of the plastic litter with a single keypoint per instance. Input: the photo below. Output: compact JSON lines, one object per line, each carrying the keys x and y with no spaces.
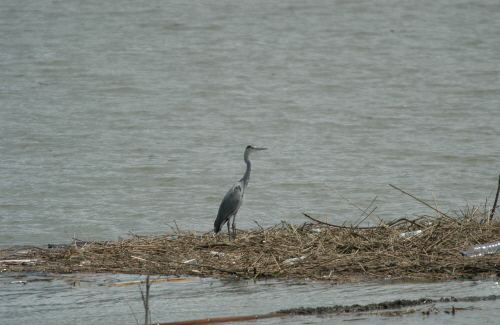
{"x":410,"y":233}
{"x":482,"y":249}
{"x":291,"y":260}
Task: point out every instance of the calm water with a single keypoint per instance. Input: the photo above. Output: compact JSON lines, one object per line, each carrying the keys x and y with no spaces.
{"x":122,"y":116}
{"x":126,"y":116}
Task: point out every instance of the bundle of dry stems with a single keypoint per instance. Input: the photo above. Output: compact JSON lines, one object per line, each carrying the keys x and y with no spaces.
{"x":315,"y":249}
{"x":430,"y":249}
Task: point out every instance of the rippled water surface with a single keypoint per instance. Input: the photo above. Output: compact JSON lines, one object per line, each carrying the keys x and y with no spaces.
{"x":126,"y":116}
{"x":57,"y":301}
{"x":122,"y":116}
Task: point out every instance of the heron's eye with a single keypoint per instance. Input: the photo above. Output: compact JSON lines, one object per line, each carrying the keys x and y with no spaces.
{"x":249,"y":147}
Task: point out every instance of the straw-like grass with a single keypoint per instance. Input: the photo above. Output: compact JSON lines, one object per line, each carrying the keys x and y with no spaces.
{"x":314,"y":250}
{"x":319,"y":252}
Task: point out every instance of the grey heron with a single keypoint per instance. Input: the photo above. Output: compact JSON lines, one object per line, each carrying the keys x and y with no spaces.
{"x":234,"y":197}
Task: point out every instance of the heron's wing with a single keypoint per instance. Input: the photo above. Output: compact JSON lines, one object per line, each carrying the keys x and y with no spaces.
{"x":229,"y":206}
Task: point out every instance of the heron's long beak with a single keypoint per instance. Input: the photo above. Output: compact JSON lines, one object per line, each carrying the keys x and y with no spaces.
{"x":260,"y":148}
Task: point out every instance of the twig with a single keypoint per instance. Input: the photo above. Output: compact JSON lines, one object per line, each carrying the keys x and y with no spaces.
{"x":276,"y":261}
{"x":475,"y":210}
{"x":436,"y":204}
{"x":345,"y":198}
{"x":380,"y":222}
{"x":145,"y":301}
{"x":377,"y":220}
{"x":210,"y":268}
{"x":142,"y":259}
{"x":364,"y":212}
{"x":413,"y":222}
{"x":336,"y":226}
{"x":133,"y":313}
{"x":444,"y":214}
{"x":496,"y":200}
{"x":173,"y":229}
{"x":258,"y":224}
{"x":216,"y":245}
{"x":176,"y":226}
{"x":384,"y":225}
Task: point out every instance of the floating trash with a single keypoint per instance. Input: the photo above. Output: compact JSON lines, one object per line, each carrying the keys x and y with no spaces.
{"x":410,"y":233}
{"x":292,"y":260}
{"x":482,"y":249}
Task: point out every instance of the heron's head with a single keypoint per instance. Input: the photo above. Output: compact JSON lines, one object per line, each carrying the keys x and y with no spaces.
{"x":251,"y":149}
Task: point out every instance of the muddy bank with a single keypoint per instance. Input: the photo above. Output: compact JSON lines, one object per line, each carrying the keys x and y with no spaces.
{"x":395,"y":304}
{"x":388,"y":308}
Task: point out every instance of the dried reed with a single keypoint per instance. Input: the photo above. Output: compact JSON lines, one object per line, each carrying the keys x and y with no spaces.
{"x":313,"y":250}
{"x":430,"y":249}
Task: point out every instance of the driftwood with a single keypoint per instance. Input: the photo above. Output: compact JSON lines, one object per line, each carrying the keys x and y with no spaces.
{"x":224,"y":319}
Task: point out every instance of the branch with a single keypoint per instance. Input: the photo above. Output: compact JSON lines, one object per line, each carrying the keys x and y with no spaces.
{"x":496,"y":200}
{"x":389,"y":224}
{"x":377,"y":220}
{"x":337,"y":226}
{"x":444,"y":214}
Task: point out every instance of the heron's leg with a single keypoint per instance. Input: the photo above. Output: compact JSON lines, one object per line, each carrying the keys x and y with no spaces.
{"x":234,"y":226}
{"x":228,"y":222}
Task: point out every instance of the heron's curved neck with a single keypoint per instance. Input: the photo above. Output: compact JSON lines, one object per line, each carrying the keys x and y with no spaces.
{"x":246,"y":177}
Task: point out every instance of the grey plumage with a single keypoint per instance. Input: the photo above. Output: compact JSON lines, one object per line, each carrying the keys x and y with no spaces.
{"x":234,"y":197}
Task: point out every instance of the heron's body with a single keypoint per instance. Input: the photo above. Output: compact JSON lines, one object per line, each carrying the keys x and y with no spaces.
{"x":234,"y":197}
